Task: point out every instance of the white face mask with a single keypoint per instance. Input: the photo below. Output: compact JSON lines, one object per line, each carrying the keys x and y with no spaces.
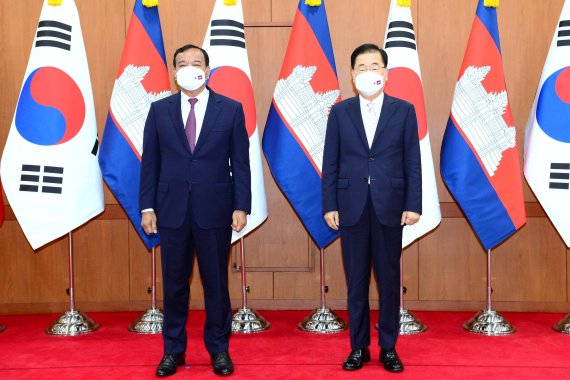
{"x":369,"y":83}
{"x":190,"y":78}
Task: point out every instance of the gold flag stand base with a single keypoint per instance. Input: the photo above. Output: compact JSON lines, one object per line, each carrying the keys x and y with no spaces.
{"x":150,"y":322}
{"x":72,"y":322}
{"x":246,"y":321}
{"x":409,"y":324}
{"x":563,"y":326}
{"x":323,"y":321}
{"x":489,"y":322}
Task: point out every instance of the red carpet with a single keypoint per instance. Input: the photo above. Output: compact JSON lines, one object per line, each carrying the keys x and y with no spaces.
{"x":444,"y":351}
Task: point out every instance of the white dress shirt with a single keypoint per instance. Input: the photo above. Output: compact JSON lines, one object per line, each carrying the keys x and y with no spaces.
{"x":370,"y":111}
{"x":199,"y":109}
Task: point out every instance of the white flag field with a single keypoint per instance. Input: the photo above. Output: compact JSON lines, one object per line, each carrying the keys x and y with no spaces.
{"x":49,"y":166}
{"x":547,"y":135}
{"x":405,"y":82}
{"x":230,"y":76}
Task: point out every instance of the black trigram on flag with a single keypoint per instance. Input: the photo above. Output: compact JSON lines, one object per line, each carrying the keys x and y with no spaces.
{"x":227,"y":33}
{"x":559,"y":176}
{"x":53,"y":34}
{"x":400,"y":34}
{"x":563,"y":37}
{"x":33,"y":179}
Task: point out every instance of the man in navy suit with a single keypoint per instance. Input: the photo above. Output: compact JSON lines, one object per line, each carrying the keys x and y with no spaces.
{"x":195,"y":188}
{"x":372,"y":187}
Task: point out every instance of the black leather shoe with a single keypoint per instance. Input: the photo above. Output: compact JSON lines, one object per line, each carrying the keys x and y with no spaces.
{"x":168,"y":364}
{"x":392,"y":362}
{"x":356,"y":359}
{"x":222,"y":363}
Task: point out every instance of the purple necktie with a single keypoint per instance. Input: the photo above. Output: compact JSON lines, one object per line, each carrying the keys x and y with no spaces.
{"x":191,"y":125}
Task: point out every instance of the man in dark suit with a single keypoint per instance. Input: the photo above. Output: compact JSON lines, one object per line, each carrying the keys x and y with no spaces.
{"x":372,"y":187}
{"x":195,"y":188}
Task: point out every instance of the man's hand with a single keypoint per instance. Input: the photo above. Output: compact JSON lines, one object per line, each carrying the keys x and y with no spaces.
{"x":409,"y":218}
{"x":239,"y":220}
{"x":331,"y":218}
{"x":148,"y":222}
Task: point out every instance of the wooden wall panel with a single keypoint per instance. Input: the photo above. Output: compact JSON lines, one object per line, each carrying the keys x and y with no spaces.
{"x":101,"y":258}
{"x":452,"y":268}
{"x":531,"y":265}
{"x":29,"y":277}
{"x":445,"y":269}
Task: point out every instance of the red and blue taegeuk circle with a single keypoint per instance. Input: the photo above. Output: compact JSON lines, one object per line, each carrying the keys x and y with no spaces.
{"x":234,"y":83}
{"x":51,"y":108}
{"x":553,"y":107}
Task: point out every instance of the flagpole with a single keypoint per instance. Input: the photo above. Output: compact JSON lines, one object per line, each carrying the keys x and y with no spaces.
{"x":150,"y":321}
{"x":72,"y":322}
{"x":323,"y":320}
{"x":409,"y":324}
{"x":489,"y":321}
{"x":246,"y":320}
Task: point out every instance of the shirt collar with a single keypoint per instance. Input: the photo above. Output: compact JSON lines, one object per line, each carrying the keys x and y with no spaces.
{"x":376,"y":103}
{"x":202,"y":97}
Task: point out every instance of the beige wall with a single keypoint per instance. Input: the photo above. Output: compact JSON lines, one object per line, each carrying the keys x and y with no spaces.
{"x":444,"y":270}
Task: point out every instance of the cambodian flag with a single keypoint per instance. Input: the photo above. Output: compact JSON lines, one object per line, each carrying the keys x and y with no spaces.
{"x":294,"y":134}
{"x":142,"y":78}
{"x":479,"y":156}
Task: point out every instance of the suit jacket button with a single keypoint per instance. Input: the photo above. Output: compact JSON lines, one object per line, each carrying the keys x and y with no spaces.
{"x":370,"y":158}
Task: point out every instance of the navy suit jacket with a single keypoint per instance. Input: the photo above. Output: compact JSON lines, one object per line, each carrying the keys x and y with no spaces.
{"x":169,"y":170}
{"x":393,"y":163}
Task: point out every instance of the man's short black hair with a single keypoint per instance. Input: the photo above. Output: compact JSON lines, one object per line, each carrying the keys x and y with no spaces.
{"x":368,"y":48}
{"x":190,"y":46}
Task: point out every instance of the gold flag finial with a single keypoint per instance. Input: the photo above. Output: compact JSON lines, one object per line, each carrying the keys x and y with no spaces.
{"x":150,"y":3}
{"x":313,"y":3}
{"x":491,"y":3}
{"x":404,"y":3}
{"x":54,"y":2}
{"x":230,"y":2}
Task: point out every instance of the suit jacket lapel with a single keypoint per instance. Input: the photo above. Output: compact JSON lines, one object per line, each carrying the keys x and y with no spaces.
{"x":386,"y":113}
{"x":356,"y":116}
{"x":176,"y":115}
{"x":212,"y":111}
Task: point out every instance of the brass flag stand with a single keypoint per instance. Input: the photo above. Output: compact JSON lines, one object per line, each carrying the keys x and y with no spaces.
{"x":489,"y":321}
{"x":563,"y":325}
{"x":72,"y":322}
{"x":409,"y":324}
{"x":150,"y":322}
{"x":246,"y":320}
{"x":323,"y":320}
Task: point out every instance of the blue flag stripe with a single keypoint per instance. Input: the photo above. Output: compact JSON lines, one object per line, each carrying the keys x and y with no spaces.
{"x":296,"y":177}
{"x":471,"y":188}
{"x":121,"y":171}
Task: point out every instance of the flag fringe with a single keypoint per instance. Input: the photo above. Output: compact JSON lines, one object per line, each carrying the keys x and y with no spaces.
{"x":491,"y":3}
{"x":150,"y":3}
{"x":54,"y":2}
{"x":404,"y":3}
{"x":313,"y":3}
{"x":230,"y":2}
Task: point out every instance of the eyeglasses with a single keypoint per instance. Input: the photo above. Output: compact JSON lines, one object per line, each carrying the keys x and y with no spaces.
{"x":373,"y":68}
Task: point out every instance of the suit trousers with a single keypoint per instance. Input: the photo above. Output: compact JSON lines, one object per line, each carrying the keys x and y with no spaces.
{"x":212,"y":247}
{"x":368,"y":241}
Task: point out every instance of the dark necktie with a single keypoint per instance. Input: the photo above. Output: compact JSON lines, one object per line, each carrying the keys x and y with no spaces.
{"x":191,"y":125}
